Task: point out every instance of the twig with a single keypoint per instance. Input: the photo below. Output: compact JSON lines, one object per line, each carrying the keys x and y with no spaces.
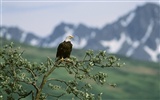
{"x":23,"y":95}
{"x":53,"y":79}
{"x":21,"y":52}
{"x":33,"y":74}
{"x":30,"y":83}
{"x":56,"y":96}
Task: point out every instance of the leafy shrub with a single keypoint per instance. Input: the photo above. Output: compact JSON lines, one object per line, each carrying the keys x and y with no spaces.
{"x":17,"y":74}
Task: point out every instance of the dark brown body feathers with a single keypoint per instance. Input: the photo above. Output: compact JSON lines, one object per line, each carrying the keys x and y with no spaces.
{"x":64,"y":50}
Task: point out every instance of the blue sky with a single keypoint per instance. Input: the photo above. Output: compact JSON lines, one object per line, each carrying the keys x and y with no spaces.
{"x":41,"y":16}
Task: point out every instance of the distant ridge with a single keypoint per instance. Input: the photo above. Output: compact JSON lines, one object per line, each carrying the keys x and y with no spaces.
{"x":135,"y":35}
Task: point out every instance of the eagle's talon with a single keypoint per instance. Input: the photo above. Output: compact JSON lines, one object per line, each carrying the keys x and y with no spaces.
{"x":62,"y":59}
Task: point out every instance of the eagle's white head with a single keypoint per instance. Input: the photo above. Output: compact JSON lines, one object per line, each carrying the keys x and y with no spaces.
{"x":68,"y":38}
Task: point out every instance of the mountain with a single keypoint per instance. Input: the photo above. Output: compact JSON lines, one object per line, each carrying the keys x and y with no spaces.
{"x":14,"y":33}
{"x":135,"y":35}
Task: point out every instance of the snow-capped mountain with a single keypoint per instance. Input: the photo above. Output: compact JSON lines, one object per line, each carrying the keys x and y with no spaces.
{"x":14,"y":33}
{"x":82,"y":35}
{"x":136,"y":35}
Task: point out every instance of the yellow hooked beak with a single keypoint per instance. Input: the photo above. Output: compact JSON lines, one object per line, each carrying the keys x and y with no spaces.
{"x":71,"y":36}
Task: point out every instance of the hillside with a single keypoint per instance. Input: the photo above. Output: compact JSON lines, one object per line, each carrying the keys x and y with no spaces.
{"x":137,"y":80}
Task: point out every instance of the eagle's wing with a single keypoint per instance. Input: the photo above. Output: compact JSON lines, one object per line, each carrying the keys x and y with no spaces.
{"x":60,"y":50}
{"x":69,"y":49}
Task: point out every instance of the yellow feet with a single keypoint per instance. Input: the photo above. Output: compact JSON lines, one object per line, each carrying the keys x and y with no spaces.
{"x":62,"y":59}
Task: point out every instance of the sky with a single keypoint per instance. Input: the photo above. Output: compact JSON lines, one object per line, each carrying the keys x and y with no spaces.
{"x":41,"y":16}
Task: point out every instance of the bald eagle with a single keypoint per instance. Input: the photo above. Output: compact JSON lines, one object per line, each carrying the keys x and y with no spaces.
{"x":64,"y":49}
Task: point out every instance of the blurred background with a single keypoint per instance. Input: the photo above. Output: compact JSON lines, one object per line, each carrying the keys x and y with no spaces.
{"x":128,"y":29}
